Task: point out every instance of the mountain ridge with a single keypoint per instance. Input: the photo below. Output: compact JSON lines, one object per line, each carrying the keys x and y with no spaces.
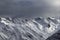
{"x":30,"y":29}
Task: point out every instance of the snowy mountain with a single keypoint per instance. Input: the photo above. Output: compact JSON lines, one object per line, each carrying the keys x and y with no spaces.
{"x":28,"y":28}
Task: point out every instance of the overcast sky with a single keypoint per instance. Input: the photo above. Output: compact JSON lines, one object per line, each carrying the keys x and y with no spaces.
{"x":29,"y":8}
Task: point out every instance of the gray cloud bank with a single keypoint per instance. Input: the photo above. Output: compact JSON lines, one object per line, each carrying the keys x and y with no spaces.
{"x":28,"y":8}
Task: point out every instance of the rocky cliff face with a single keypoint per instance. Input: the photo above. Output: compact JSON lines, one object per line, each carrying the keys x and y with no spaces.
{"x":28,"y":28}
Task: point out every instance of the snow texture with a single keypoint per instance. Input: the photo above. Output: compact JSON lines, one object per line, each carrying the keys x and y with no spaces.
{"x":28,"y":28}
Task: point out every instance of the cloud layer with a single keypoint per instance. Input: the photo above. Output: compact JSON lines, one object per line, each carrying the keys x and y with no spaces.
{"x":28,"y":8}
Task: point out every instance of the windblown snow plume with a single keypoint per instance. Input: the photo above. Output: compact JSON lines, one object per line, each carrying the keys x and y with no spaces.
{"x":28,"y":29}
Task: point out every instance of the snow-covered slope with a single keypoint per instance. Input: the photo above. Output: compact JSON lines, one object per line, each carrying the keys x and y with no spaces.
{"x":28,"y":28}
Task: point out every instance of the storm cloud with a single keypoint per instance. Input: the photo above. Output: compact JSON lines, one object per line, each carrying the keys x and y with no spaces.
{"x":28,"y":8}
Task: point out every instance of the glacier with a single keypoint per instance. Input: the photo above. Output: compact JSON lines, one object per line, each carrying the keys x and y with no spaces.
{"x":28,"y":28}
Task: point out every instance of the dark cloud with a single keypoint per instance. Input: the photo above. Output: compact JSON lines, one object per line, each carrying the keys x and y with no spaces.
{"x":28,"y":8}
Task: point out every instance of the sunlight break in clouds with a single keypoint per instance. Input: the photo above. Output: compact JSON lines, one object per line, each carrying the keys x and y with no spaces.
{"x":56,"y":3}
